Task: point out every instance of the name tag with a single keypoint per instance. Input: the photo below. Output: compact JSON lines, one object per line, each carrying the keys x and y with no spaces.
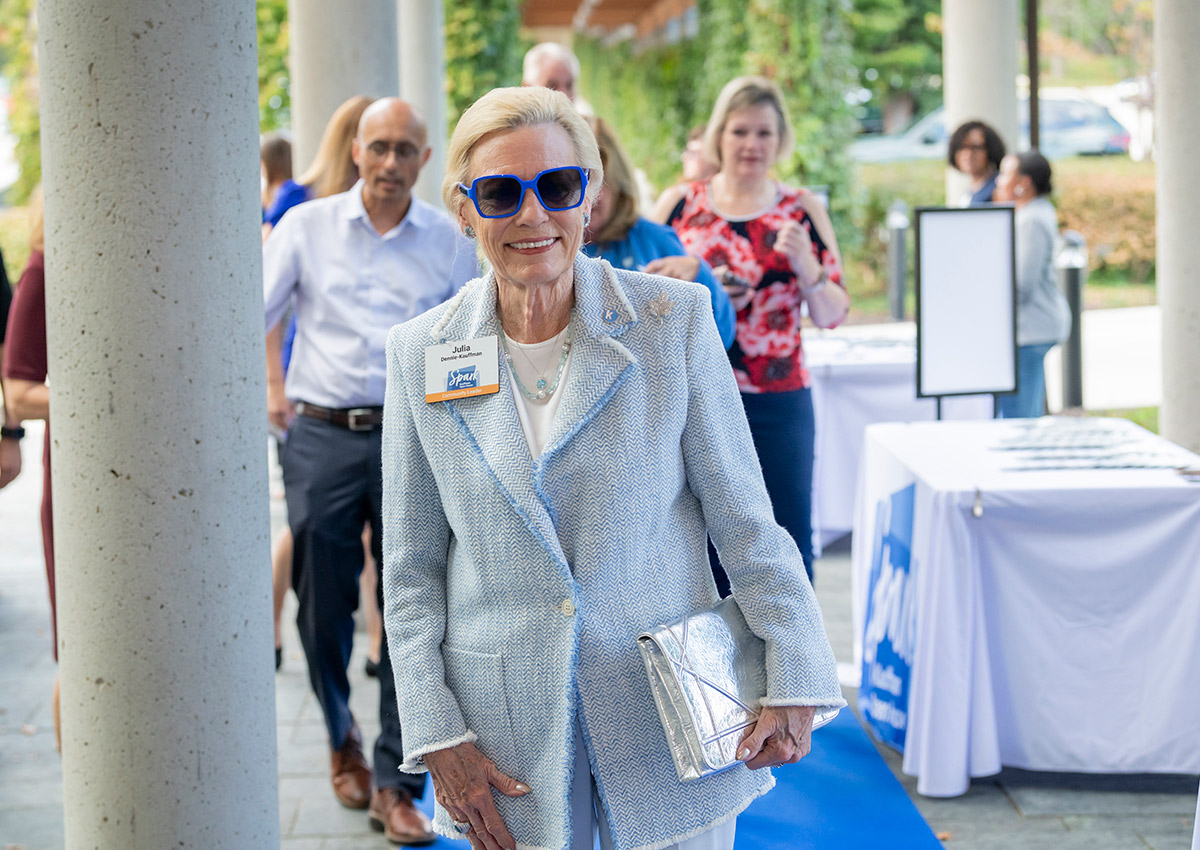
{"x":461,"y":369}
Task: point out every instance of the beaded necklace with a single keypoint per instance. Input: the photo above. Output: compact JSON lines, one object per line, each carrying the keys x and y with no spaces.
{"x":544,"y":389}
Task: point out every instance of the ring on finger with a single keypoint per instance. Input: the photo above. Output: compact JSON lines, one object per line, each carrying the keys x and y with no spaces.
{"x":462,"y":826}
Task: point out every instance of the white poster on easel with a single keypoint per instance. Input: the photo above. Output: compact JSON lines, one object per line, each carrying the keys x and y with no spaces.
{"x":966,"y":301}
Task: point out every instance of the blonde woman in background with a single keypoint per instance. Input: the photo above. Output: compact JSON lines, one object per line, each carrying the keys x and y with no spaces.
{"x":773,"y":248}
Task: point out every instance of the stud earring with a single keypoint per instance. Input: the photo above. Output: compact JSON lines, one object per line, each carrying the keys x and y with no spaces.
{"x":587,"y":219}
{"x":469,"y":232}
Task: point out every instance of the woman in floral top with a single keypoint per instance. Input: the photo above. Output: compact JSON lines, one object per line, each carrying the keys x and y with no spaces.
{"x":773,"y":248}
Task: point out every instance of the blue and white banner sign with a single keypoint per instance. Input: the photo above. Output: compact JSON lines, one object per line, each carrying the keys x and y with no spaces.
{"x":889,"y":635}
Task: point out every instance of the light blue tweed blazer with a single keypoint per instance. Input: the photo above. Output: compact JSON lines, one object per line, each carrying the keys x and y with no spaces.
{"x":514,"y":590}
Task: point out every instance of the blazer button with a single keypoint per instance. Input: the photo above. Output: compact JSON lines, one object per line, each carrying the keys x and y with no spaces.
{"x":568,"y":608}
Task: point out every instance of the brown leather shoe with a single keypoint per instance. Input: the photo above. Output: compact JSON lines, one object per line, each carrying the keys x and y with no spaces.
{"x":349,"y":773}
{"x":393,"y":813}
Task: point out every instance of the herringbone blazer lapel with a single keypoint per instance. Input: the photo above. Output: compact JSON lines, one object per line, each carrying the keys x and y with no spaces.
{"x":490,"y":423}
{"x":599,"y":362}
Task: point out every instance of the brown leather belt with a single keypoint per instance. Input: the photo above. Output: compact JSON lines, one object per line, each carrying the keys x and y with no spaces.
{"x":353,"y":418}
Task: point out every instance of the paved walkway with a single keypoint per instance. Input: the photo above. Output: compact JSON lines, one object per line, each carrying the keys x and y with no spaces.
{"x":1014,"y":810}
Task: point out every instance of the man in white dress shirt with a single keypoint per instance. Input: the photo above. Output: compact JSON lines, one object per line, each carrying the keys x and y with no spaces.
{"x":353,"y":265}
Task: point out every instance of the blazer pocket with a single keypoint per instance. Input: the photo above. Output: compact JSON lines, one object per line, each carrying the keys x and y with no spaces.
{"x":477,"y":680}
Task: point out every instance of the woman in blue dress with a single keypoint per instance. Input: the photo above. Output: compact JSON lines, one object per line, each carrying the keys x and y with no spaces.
{"x":617,"y":233}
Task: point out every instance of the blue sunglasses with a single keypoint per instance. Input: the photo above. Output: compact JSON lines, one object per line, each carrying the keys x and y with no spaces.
{"x":501,"y":195}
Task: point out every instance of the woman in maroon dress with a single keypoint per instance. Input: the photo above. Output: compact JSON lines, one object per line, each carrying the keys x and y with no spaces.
{"x":26,"y":393}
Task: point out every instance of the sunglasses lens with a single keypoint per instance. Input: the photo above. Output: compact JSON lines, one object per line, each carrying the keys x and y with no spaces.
{"x":560,"y":189}
{"x":497,"y":196}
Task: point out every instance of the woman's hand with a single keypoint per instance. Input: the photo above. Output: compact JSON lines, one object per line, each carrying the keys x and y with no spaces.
{"x":463,"y":779}
{"x":782,"y":735}
{"x":10,"y":460}
{"x":680,"y":268}
{"x":793,"y":240}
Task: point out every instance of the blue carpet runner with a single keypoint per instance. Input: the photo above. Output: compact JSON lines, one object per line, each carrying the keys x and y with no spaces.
{"x":842,"y":796}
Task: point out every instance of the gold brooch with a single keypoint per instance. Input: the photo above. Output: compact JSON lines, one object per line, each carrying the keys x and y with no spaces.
{"x":660,"y":307}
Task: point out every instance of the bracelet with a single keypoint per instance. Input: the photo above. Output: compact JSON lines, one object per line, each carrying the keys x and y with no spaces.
{"x":15,"y":433}
{"x":822,"y":280}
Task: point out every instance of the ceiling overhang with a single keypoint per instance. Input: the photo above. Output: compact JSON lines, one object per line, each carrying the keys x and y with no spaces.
{"x":640,"y":18}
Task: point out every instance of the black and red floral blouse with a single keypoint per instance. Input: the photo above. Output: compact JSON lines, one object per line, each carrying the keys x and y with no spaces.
{"x":767,"y":356}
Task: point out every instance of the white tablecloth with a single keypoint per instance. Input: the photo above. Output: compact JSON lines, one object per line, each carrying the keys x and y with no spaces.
{"x":863,"y":374}
{"x":1051,"y":611}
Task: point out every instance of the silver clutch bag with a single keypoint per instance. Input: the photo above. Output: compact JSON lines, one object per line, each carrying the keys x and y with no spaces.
{"x":707,"y":673}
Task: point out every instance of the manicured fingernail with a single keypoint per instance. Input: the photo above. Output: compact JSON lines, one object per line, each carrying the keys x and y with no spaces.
{"x":743,"y":754}
{"x":522,"y":788}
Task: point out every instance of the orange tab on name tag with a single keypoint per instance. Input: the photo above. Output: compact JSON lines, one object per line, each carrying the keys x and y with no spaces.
{"x":462,"y":369}
{"x":465,"y":392}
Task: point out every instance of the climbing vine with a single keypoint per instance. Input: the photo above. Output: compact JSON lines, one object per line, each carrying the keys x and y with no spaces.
{"x":654,"y":96}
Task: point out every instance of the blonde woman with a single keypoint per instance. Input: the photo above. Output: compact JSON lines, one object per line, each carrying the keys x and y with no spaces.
{"x":773,"y":248}
{"x":332,"y":171}
{"x":532,"y":533}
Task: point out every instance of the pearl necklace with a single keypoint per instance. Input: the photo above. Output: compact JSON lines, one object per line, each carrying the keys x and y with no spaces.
{"x":544,"y":389}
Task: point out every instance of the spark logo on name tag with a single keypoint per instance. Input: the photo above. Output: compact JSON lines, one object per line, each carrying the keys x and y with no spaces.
{"x":461,"y":369}
{"x":463,"y":379}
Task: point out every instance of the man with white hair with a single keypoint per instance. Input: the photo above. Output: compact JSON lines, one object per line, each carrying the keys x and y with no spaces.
{"x":552,"y":66}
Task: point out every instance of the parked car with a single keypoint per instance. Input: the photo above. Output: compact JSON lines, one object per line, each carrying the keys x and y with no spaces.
{"x":1069,"y":127}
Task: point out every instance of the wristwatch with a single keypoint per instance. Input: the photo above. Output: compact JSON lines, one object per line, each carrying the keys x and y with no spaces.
{"x":11,"y":433}
{"x":818,"y":284}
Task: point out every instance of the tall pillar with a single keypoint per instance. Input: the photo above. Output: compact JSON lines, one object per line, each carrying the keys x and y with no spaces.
{"x":423,"y":83}
{"x":979,"y":71}
{"x":337,"y":50}
{"x":154,"y":312}
{"x":1176,"y":33}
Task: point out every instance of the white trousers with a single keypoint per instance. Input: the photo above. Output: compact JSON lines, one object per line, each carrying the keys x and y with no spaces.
{"x":586,"y":825}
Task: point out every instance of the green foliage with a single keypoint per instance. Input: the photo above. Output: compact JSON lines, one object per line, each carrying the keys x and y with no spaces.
{"x":1147,"y":417}
{"x":897,"y":48}
{"x":484,"y":50}
{"x":17,"y":40}
{"x":1110,"y":200}
{"x":652,"y":97}
{"x":15,"y":227}
{"x":274,"y":80}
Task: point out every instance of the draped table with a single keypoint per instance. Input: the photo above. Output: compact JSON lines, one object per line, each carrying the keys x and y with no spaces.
{"x":1026,"y":593}
{"x":863,"y":374}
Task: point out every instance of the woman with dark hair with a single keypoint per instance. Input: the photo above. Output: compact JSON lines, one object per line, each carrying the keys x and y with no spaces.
{"x":280,"y":192}
{"x":976,"y":150}
{"x":1043,"y":317}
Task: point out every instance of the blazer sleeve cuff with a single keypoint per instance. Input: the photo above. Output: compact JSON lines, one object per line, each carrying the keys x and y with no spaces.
{"x":414,"y":761}
{"x":786,"y":702}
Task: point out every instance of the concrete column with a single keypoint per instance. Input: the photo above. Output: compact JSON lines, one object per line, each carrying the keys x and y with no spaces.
{"x":1196,"y":828}
{"x":154,"y":311}
{"x":337,"y":50}
{"x":423,"y":83}
{"x":1176,"y":33}
{"x":979,"y":71}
